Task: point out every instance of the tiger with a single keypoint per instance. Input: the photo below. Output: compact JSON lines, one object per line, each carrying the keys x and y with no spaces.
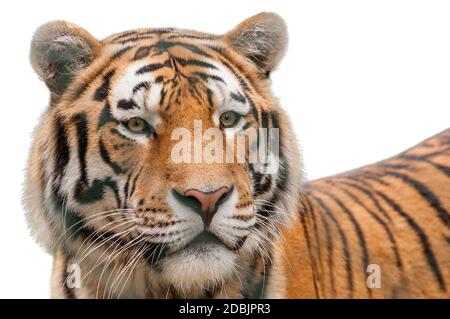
{"x":104,"y":196}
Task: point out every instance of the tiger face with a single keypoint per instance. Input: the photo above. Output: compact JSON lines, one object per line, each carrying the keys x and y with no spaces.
{"x":132,"y":158}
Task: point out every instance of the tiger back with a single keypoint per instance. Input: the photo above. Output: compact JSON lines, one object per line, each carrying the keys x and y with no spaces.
{"x":380,"y":231}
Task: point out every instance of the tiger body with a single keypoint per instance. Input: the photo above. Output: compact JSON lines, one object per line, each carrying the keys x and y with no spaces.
{"x":393,"y":214}
{"x":107,"y":197}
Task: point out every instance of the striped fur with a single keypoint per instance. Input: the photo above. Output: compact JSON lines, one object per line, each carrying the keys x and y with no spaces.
{"x":102,"y":198}
{"x":395,"y":213}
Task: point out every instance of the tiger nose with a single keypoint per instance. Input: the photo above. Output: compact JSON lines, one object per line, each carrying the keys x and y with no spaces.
{"x":207,"y":202}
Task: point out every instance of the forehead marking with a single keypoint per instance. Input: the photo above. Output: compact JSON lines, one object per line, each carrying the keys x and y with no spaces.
{"x":138,"y":91}
{"x":154,"y":67}
{"x":136,"y":94}
{"x":123,"y":88}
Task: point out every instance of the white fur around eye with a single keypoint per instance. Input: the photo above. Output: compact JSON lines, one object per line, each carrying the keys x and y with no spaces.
{"x":235,"y":107}
{"x":123,"y":88}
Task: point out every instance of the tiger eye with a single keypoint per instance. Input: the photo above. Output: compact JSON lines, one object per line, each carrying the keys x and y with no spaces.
{"x":136,"y":125}
{"x":229,"y":119}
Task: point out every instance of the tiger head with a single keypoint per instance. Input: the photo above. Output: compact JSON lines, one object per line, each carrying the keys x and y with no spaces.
{"x":133,"y":154}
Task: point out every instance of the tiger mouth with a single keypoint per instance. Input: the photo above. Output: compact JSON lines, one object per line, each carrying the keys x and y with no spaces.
{"x":204,"y":238}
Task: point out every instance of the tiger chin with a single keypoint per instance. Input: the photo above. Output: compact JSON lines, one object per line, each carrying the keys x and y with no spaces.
{"x":128,"y":213}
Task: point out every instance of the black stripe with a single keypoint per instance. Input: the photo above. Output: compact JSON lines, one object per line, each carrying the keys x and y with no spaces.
{"x":164,"y":45}
{"x":396,"y":166}
{"x":84,"y":86}
{"x":263,"y":139}
{"x":240,"y":73}
{"x":309,"y":212}
{"x":246,"y":126}
{"x":127,"y":104}
{"x":257,"y":177}
{"x":209,"y":94}
{"x":133,"y":185}
{"x":169,"y":101}
{"x":86,"y":194}
{"x":81,"y":124}
{"x":443,"y":137}
{"x":253,"y":109}
{"x":150,"y":251}
{"x":357,"y":178}
{"x":154,"y":253}
{"x":347,"y":256}
{"x":353,"y":180}
{"x":124,"y":35}
{"x":163,"y":96}
{"x":374,"y":177}
{"x":106,"y":117}
{"x":275,"y":119}
{"x":437,"y":153}
{"x":264,"y":119}
{"x":308,"y":245}
{"x":261,"y":188}
{"x":379,"y":220}
{"x":190,"y":36}
{"x":115,"y":189}
{"x":238,"y":97}
{"x":427,"y":251}
{"x":102,"y":92}
{"x":107,"y":159}
{"x":358,"y":230}
{"x":329,"y":240}
{"x":141,"y":53}
{"x":160,"y":31}
{"x":62,"y":150}
{"x":243,"y":80}
{"x":283,"y":170}
{"x":136,"y":39}
{"x":283,"y":175}
{"x":178,"y":95}
{"x":256,"y":280}
{"x":240,"y":241}
{"x":125,"y":190}
{"x":194,"y":62}
{"x":426,"y":193}
{"x":206,"y":77}
{"x":140,"y":86}
{"x":154,"y":67}
{"x":444,"y":169}
{"x":268,"y":208}
{"x":121,"y":52}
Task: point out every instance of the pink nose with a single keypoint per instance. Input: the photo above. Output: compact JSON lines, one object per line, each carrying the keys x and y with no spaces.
{"x":209,"y":201}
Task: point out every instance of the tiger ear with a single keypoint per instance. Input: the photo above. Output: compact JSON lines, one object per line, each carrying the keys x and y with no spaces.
{"x":262,"y":39}
{"x":59,"y":51}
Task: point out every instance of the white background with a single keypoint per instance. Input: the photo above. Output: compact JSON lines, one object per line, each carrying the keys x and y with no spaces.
{"x":362,"y":80}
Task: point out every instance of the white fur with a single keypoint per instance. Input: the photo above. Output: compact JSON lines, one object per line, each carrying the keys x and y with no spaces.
{"x":192,"y":269}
